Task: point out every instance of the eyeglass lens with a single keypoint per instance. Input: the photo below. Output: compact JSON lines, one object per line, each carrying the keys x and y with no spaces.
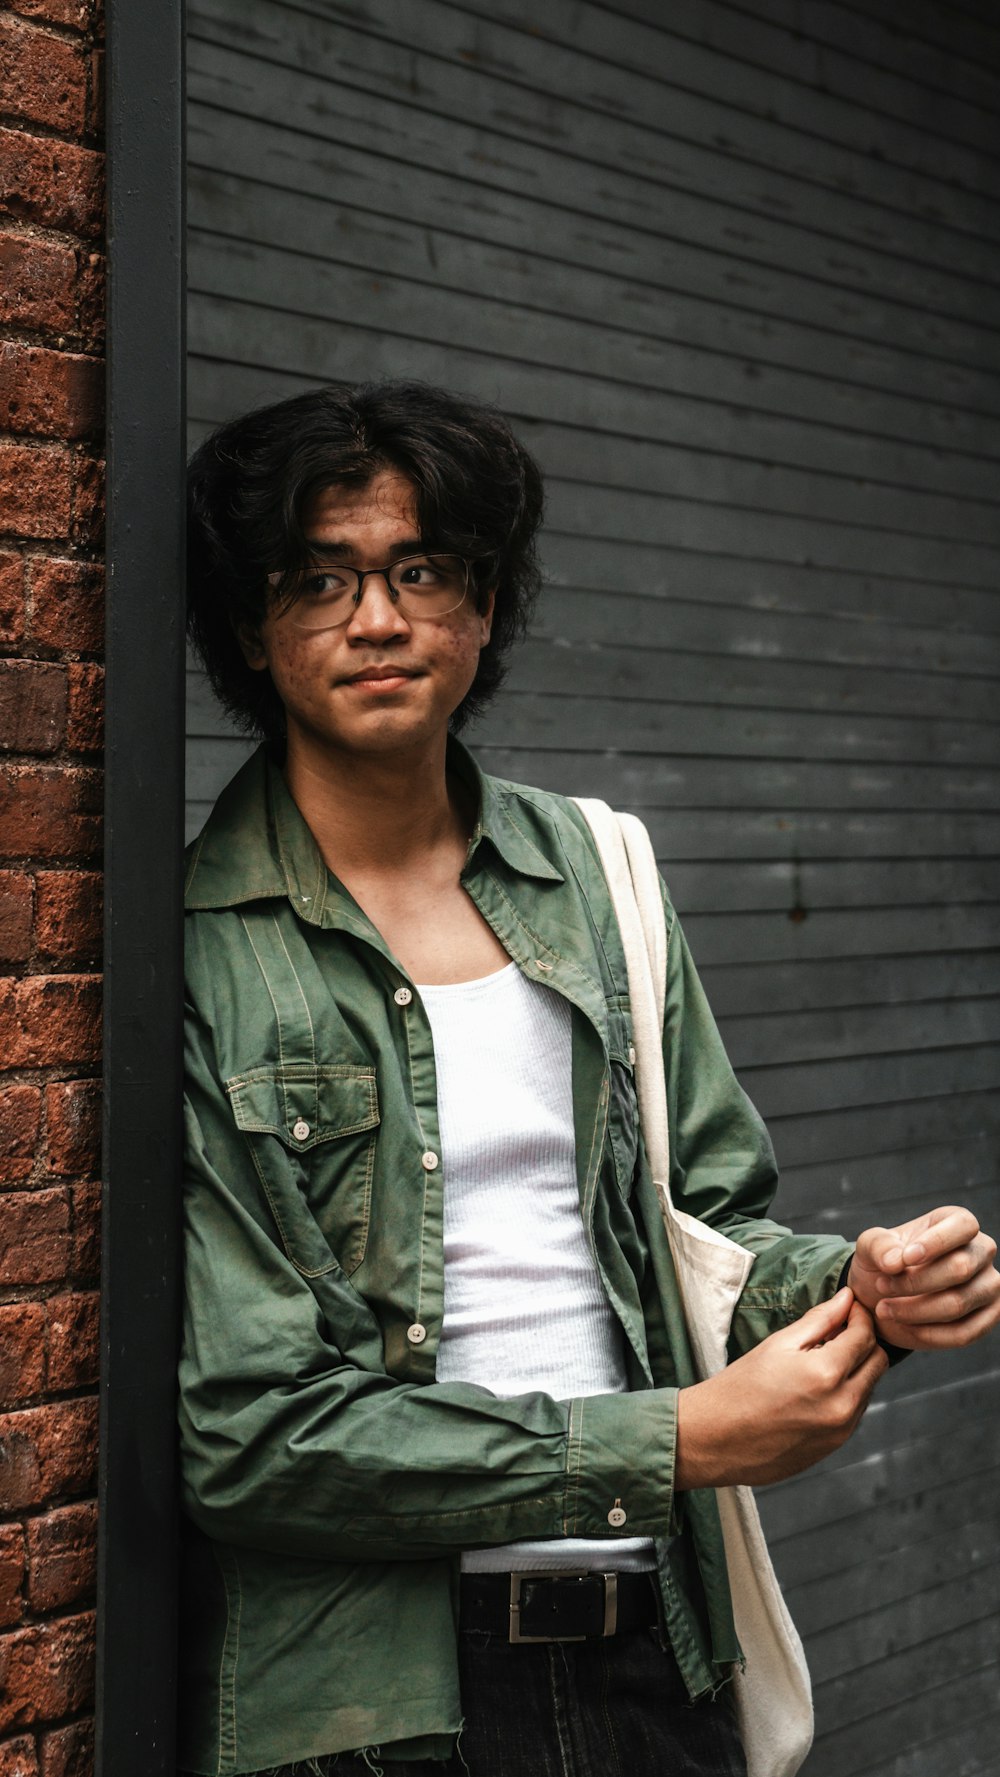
{"x":327,"y":593}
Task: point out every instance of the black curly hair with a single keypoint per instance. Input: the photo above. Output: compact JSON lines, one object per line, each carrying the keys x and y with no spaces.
{"x":479,"y":494}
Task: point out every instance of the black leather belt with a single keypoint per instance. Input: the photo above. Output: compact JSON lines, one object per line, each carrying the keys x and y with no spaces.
{"x":556,"y":1606}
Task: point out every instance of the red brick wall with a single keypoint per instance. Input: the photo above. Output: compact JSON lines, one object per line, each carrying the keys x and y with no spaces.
{"x":51,"y":610}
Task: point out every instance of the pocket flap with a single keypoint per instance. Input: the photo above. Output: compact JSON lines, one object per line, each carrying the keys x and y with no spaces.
{"x":302,"y":1104}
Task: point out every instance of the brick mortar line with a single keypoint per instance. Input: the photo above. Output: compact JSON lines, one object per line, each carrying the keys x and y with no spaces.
{"x":38,"y":1294}
{"x":12,"y":1293}
{"x":77,"y":1283}
{"x":79,"y":761}
{"x":26,"y":230}
{"x":32,"y":1618}
{"x":18,"y":861}
{"x":49,"y":445}
{"x":89,"y":1071}
{"x":27,"y":968}
{"x":85,"y":760}
{"x":39,"y":549}
{"x":58,"y":343}
{"x":13,"y":335}
{"x":20,"y":651}
{"x":84,"y":1391}
{"x":91,"y":140}
{"x":57,"y":1503}
{"x":45,"y":27}
{"x":52,"y":441}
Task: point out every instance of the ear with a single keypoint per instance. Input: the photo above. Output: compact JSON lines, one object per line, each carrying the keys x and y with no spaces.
{"x":251,"y":647}
{"x":486,"y":617}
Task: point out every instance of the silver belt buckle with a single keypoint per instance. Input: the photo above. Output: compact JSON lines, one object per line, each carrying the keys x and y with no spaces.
{"x":584,"y":1573}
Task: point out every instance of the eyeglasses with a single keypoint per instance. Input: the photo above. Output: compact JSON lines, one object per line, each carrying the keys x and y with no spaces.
{"x":326,"y":594}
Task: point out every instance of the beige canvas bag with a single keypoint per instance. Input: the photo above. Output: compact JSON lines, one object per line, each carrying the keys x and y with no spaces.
{"x":773,"y":1693}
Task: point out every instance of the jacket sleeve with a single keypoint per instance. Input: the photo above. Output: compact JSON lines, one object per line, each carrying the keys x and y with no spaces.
{"x":294,"y":1439}
{"x":722,"y":1163}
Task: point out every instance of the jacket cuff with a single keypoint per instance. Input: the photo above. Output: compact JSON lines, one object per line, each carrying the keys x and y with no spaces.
{"x":620,"y":1464}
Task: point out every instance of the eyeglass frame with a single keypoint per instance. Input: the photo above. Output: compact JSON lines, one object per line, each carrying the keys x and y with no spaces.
{"x":385,"y":570}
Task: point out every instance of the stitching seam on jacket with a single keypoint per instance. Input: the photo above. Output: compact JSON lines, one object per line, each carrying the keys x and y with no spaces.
{"x":274,"y":1003}
{"x":305,"y":1002}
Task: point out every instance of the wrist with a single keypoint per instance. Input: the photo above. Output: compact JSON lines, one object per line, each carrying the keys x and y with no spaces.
{"x":698,"y":1457}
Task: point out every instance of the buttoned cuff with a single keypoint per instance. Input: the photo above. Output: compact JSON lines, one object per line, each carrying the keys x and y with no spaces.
{"x":620,"y":1464}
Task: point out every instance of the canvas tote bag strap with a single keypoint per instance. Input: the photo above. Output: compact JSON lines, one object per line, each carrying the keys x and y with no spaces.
{"x":633,"y":880}
{"x":773,"y":1694}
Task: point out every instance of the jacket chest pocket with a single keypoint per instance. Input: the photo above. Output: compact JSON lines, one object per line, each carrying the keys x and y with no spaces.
{"x":312,"y":1133}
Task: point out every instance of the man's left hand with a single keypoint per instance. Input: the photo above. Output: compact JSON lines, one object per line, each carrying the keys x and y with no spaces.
{"x":930,"y":1283}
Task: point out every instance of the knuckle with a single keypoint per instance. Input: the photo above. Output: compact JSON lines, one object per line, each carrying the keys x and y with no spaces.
{"x":824,"y":1376}
{"x":840,"y":1414}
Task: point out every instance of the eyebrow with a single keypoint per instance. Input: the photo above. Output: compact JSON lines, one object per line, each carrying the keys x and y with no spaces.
{"x":341,"y":550}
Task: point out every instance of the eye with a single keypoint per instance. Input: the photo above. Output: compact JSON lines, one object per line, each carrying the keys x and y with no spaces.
{"x":326,"y":582}
{"x":418,"y":570}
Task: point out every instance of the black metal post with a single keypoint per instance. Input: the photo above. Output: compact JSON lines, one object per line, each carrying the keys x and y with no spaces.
{"x":136,"y":1659}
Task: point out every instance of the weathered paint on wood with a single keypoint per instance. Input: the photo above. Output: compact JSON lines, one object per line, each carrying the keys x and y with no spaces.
{"x":735,"y":274}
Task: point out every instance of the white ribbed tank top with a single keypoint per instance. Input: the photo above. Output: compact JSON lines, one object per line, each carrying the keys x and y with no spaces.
{"x":524,"y":1307}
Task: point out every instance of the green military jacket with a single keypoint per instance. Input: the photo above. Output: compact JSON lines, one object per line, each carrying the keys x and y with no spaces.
{"x":329,"y":1483}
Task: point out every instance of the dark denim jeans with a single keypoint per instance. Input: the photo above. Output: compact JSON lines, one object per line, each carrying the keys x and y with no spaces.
{"x":614,"y":1708}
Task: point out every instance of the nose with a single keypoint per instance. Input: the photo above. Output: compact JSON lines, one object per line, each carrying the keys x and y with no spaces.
{"x":376,"y":616}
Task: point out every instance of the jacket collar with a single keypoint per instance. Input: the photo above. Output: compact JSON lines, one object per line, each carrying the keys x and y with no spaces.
{"x":256,"y":844}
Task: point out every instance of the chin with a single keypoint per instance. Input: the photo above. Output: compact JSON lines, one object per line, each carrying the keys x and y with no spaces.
{"x":384,"y":731}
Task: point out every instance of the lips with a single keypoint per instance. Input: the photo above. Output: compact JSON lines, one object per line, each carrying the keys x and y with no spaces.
{"x":379,"y":675}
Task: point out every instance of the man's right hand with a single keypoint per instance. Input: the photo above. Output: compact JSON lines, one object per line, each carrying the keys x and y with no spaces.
{"x":783,"y":1406}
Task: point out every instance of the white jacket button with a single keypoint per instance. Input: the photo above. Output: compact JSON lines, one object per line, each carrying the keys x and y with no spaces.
{"x":429,"y":1161}
{"x":402,"y":996}
{"x":617,"y":1517}
{"x":416,"y":1334}
{"x":300,"y":1130}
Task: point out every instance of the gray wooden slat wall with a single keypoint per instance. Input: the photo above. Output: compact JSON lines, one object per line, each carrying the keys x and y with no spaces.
{"x":734,"y":271}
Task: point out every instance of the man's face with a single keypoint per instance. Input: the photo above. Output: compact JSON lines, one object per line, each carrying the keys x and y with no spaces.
{"x":380,"y":682}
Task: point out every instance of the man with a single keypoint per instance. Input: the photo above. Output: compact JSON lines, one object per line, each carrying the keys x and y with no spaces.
{"x":432,"y":1338}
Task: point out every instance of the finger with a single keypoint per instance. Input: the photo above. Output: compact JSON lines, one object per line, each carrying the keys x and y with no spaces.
{"x":945,"y":1335}
{"x":864,"y":1380}
{"x":948,"y":1273}
{"x":942,"y":1231}
{"x":854,"y":1344}
{"x":820,"y":1324}
{"x":940,"y":1305}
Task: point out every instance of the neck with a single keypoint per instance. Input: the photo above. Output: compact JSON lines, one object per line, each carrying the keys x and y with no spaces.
{"x":368,"y":811}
